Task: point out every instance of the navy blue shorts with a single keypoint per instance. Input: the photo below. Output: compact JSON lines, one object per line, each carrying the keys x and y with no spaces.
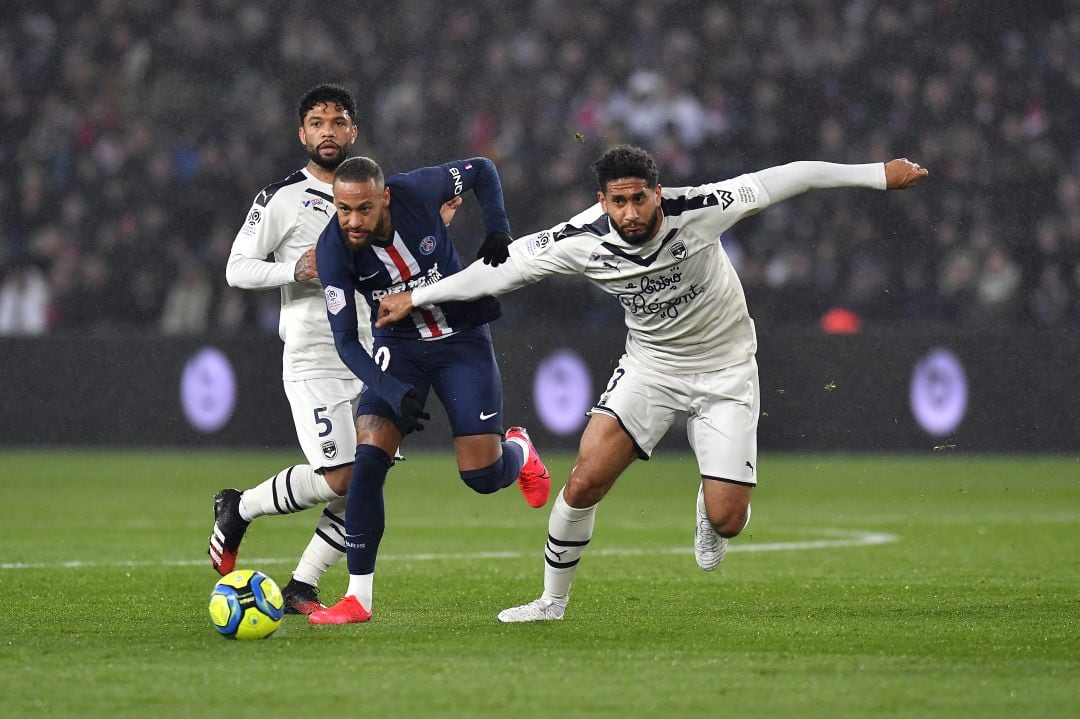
{"x":461,"y":369}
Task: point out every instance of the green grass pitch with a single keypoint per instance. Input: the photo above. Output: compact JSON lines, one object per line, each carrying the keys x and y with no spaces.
{"x":934,"y":586}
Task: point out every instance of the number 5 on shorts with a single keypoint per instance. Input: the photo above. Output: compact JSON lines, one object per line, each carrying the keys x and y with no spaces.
{"x":325,"y":422}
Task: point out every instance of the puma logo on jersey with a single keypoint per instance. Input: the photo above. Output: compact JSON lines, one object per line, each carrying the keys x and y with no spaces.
{"x":606,"y":260}
{"x":316,"y":205}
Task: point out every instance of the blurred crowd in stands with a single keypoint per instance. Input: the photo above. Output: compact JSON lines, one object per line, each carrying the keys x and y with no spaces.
{"x":137,"y":132}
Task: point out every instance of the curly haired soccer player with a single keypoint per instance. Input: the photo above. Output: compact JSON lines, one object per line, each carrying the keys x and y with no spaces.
{"x":690,"y":344}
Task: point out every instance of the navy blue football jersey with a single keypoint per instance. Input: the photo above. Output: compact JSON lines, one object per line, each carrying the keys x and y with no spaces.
{"x":419,"y":252}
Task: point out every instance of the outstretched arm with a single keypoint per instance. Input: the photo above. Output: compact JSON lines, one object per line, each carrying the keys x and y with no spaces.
{"x":795,"y":178}
{"x":476,"y":280}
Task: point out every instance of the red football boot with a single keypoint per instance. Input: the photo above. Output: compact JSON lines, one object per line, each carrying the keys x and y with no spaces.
{"x":534,"y":479}
{"x":347,"y":611}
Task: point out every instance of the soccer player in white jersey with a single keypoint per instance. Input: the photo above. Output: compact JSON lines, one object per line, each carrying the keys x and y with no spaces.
{"x":690,"y":344}
{"x":274,"y":249}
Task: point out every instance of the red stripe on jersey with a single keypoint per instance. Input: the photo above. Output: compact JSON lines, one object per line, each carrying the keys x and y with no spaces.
{"x":430,"y":321}
{"x":406,"y":274}
{"x":399,"y":263}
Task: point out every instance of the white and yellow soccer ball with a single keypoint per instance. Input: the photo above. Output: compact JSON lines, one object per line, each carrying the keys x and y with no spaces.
{"x":246,"y":604}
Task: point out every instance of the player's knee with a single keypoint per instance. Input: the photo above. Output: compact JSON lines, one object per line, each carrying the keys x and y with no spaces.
{"x":369,"y":472}
{"x":483,"y":481}
{"x":339,"y":478}
{"x":731,"y":521}
{"x":584,"y":488}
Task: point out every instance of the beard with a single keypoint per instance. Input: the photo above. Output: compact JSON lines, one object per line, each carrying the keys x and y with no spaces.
{"x":328,"y":163}
{"x":642,"y":237}
{"x":378,"y":233}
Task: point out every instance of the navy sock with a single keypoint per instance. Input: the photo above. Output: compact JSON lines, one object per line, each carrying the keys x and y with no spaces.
{"x":504,"y":472}
{"x":365,"y":514}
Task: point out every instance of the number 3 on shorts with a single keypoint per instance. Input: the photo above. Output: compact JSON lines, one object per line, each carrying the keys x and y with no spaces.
{"x":619,"y":372}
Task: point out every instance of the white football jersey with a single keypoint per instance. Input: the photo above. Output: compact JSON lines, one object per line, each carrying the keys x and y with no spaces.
{"x":285,"y":220}
{"x":684,"y":305}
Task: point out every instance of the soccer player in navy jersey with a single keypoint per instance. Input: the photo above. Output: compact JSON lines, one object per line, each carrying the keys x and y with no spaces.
{"x":389,"y":238}
{"x":275,"y":249}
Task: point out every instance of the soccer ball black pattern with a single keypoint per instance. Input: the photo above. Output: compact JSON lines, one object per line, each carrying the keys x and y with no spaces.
{"x":246,"y":604}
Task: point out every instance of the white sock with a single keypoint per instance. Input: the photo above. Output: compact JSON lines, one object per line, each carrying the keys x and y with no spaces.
{"x":524,"y":449}
{"x":360,"y":587}
{"x":327,"y":545}
{"x":569,"y":531}
{"x":288,"y":491}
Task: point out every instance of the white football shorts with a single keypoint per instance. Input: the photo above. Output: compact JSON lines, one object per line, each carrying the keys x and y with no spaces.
{"x":324,"y":412}
{"x":721,"y":410}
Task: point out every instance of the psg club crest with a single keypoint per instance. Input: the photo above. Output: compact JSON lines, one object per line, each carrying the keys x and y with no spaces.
{"x":329,"y":449}
{"x":427,"y":245}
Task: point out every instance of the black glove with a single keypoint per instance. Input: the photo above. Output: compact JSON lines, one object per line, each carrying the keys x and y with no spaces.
{"x":496,"y":249}
{"x":411,"y":413}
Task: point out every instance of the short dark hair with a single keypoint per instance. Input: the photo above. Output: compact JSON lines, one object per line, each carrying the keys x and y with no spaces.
{"x":359,"y":169}
{"x":626,"y":161}
{"x":326,"y":94}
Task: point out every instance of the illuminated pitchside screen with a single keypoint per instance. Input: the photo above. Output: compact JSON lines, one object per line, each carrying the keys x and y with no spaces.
{"x":208,"y":390}
{"x":939,"y":392}
{"x":563,"y":392}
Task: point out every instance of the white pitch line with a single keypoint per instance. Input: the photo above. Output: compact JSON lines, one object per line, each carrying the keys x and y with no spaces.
{"x":845,"y":539}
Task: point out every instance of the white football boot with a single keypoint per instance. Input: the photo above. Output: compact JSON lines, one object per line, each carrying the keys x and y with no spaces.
{"x":538,"y":610}
{"x":709,"y":547}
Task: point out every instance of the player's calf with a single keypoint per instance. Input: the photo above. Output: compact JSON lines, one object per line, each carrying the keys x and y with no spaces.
{"x":711,"y":538}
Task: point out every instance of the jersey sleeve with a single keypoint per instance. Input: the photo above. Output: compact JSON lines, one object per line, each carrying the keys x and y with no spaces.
{"x":563,"y":250}
{"x":532,"y":258}
{"x":794,"y":178}
{"x":478,"y":174}
{"x":264,"y":229}
{"x":714,"y":207}
{"x":475,"y":281}
{"x":541,"y":255}
{"x":339,"y":289}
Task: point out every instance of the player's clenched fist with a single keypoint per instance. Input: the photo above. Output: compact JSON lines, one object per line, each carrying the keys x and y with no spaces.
{"x":393,"y":308}
{"x":903,"y":173}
